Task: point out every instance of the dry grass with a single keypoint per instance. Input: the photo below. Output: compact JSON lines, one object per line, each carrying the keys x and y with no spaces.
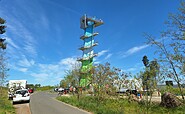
{"x":6,"y":106}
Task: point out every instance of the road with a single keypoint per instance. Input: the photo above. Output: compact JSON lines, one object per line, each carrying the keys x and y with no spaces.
{"x":45,"y":103}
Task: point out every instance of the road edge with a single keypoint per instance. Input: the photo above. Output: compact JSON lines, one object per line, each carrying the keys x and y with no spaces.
{"x":73,"y":106}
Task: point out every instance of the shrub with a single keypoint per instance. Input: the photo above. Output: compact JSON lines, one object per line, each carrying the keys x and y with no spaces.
{"x":117,"y":106}
{"x":6,"y":106}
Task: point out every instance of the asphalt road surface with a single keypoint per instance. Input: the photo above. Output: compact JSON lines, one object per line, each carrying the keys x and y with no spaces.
{"x":45,"y":103}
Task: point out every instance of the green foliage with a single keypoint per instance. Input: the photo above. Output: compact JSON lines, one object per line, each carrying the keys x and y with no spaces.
{"x":6,"y":106}
{"x":149,"y":79}
{"x":100,"y":79}
{"x":171,"y":89}
{"x":37,"y":85}
{"x":117,"y":106}
{"x":2,"y":26}
{"x":2,"y":31}
{"x":145,"y":61}
{"x":103,"y":80}
{"x":30,"y":86}
{"x":44,"y":88}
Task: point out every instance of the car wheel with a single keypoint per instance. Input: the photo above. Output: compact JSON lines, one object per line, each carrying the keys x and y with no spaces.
{"x":28,"y":101}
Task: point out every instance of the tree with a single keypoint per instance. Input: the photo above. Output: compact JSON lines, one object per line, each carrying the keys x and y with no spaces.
{"x":102,"y":80}
{"x":2,"y":27}
{"x":149,"y":78}
{"x":120,"y":80}
{"x":63,"y":83}
{"x":145,"y":76}
{"x":145,"y":61}
{"x":3,"y":68}
{"x":3,"y":64}
{"x":68,"y":80}
{"x":154,"y":70}
{"x":2,"y":31}
{"x":151,"y":72}
{"x":72,"y":77}
{"x":37,"y":85}
{"x":171,"y":47}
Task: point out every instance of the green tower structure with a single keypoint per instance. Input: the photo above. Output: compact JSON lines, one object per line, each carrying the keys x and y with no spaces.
{"x":88,"y":24}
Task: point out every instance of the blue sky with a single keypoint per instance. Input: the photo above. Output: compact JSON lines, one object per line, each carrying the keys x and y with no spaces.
{"x":43,"y":36}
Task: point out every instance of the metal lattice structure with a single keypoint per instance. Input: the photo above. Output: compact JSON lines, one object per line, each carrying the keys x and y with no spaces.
{"x":88,"y":24}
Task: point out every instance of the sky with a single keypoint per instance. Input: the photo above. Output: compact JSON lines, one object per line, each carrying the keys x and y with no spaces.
{"x":43,"y":36}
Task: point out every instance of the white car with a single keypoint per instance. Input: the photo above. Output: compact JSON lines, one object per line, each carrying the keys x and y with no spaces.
{"x":21,"y":95}
{"x":60,"y":89}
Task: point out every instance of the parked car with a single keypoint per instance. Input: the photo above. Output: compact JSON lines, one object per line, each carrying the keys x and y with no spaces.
{"x":66,"y":90}
{"x":55,"y":89}
{"x":128,"y":91}
{"x":60,"y":89}
{"x":21,"y":95}
{"x":122,"y":90}
{"x":30,"y":90}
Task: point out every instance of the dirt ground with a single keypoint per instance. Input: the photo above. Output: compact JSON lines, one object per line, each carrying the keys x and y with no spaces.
{"x":22,"y":108}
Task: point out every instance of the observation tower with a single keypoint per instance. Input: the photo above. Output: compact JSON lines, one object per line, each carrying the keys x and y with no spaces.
{"x":88,"y":24}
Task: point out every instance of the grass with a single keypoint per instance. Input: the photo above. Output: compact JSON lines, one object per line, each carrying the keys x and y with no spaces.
{"x":44,"y":88}
{"x":117,"y":106}
{"x":6,"y":106}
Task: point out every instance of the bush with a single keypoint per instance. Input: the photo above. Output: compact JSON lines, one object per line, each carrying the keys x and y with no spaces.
{"x":171,"y":89}
{"x":6,"y":106}
{"x":117,"y":106}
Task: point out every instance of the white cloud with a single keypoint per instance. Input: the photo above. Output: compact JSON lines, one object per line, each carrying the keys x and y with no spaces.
{"x":25,"y":62}
{"x":29,"y":48}
{"x":12,"y":48}
{"x":18,"y":68}
{"x":22,"y":48}
{"x":26,"y":40}
{"x":134,"y":50}
{"x":131,"y":69}
{"x":97,"y":62}
{"x":54,"y":72}
{"x":49,"y":68}
{"x":23,"y":69}
{"x":101,"y":53}
{"x":11,"y":43}
{"x":40,"y":77}
{"x":65,"y":8}
{"x":68,"y":61}
{"x":108,"y":56}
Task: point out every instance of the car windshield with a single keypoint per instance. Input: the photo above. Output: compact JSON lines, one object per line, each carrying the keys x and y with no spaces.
{"x":21,"y":92}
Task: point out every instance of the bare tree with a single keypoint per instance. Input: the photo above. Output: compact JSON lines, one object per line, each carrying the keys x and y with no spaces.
{"x":103,"y":77}
{"x":171,"y":47}
{"x":3,"y":70}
